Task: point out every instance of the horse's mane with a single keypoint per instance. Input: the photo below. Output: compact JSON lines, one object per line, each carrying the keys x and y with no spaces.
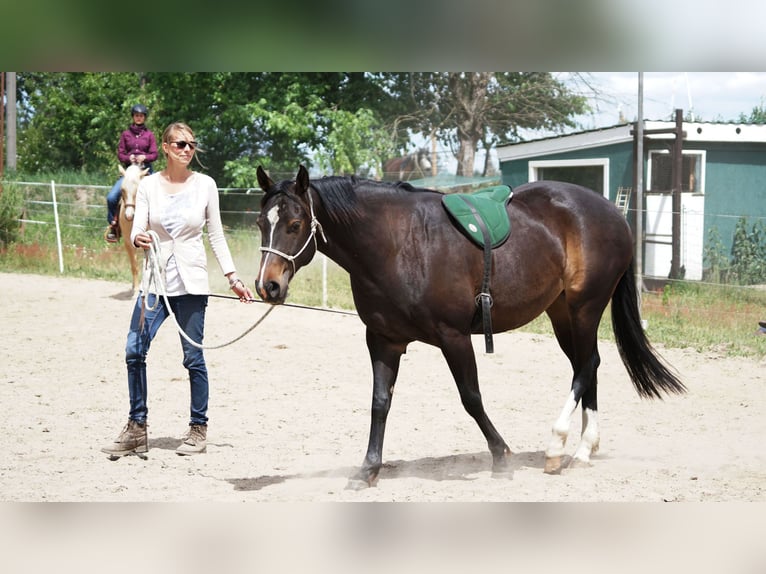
{"x":340,"y":193}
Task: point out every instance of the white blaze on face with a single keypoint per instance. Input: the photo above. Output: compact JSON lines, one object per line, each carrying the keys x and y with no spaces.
{"x":273,"y":218}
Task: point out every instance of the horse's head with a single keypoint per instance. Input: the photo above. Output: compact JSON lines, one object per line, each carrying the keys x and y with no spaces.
{"x":131,"y":177}
{"x":424,"y":161}
{"x":288,"y":233}
{"x":413,"y":165}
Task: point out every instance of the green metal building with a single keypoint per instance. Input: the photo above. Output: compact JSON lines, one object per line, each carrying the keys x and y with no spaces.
{"x":723,"y":180}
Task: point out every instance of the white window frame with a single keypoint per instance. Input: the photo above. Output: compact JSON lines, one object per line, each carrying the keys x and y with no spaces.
{"x":535,"y":166}
{"x":703,"y":162}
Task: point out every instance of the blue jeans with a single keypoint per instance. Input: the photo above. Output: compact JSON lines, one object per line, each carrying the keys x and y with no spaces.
{"x":113,"y":201}
{"x":190,"y":314}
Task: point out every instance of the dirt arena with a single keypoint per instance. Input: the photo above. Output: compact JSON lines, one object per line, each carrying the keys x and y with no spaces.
{"x":289,"y":413}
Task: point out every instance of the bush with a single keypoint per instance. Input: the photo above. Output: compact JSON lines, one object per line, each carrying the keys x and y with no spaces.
{"x":11,"y":207}
{"x":748,"y":254}
{"x":746,"y":264}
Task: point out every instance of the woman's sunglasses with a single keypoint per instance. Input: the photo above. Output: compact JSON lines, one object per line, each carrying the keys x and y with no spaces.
{"x":183,"y":144}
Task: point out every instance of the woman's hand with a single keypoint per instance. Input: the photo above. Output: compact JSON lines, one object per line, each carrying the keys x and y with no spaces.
{"x":143,"y":241}
{"x":242,"y":291}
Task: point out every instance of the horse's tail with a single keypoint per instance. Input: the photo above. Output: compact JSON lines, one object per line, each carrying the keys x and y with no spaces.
{"x":649,"y":375}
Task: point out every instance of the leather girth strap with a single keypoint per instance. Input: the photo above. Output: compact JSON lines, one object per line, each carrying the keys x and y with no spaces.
{"x":484,"y":298}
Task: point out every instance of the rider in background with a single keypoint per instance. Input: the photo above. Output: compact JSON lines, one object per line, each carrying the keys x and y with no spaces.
{"x":137,"y":146}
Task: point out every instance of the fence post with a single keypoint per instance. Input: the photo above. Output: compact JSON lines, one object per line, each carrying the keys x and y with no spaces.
{"x":58,"y":227}
{"x":324,"y":280}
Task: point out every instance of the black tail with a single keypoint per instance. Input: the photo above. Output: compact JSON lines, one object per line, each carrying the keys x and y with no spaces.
{"x":647,"y":371}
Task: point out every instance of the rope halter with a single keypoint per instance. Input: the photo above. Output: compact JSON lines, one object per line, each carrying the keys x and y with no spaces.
{"x":273,"y":217}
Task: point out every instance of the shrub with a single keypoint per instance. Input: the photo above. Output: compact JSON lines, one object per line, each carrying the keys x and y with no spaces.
{"x":11,"y":207}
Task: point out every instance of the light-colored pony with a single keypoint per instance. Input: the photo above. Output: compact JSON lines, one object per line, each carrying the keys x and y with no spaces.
{"x":131,"y":177}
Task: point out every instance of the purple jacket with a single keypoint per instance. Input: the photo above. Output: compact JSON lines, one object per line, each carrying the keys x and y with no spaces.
{"x":137,"y":140}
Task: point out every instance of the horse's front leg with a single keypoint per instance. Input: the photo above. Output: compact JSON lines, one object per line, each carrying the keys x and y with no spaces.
{"x":386,"y":357}
{"x":458,"y":351}
{"x":133,"y":258}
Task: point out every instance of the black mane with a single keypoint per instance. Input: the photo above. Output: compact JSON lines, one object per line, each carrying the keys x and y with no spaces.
{"x":340,"y":193}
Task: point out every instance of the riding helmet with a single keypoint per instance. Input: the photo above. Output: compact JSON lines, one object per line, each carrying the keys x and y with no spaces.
{"x":139,"y":109}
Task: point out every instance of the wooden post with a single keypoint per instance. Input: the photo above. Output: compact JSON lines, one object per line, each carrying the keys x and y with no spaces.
{"x":677,"y":172}
{"x":2,"y":124}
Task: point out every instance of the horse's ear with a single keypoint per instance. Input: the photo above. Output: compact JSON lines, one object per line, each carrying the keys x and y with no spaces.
{"x":264,"y":181}
{"x":302,"y":180}
{"x":122,"y":169}
{"x":144,"y":171}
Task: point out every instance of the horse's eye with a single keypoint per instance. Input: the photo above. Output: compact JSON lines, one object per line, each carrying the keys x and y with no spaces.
{"x":295,"y":227}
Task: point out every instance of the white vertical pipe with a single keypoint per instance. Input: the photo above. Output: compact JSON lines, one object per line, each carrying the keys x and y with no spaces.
{"x":58,"y":227}
{"x":324,"y":280}
{"x":640,"y":194}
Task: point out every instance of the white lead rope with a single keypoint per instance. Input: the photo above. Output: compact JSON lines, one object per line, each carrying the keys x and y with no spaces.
{"x":154,"y":278}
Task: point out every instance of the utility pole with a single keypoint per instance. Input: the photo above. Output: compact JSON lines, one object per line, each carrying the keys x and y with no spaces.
{"x":10,"y":114}
{"x":640,"y":187}
{"x":2,"y":126}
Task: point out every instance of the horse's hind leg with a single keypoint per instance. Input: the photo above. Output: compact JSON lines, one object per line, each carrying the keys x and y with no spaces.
{"x":576,"y":333}
{"x":386,"y":357}
{"x":458,"y":351}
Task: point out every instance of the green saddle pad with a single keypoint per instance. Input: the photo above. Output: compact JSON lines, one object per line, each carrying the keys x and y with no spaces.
{"x":489,"y":204}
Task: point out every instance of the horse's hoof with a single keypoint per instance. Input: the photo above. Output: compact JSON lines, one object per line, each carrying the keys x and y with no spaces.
{"x":356,"y":484}
{"x":359,"y":482}
{"x":500,"y":464}
{"x":552,"y":465}
{"x":579,"y":463}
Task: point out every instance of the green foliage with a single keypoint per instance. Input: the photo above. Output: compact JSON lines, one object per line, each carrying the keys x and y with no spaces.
{"x":341,"y":122}
{"x":757,"y":115}
{"x":355,"y":143}
{"x":748,"y":253}
{"x":715,"y":258}
{"x":746,"y":263}
{"x":73,"y":120}
{"x":11,"y":206}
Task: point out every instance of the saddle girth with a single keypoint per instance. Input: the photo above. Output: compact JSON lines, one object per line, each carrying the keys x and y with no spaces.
{"x":472,"y":212}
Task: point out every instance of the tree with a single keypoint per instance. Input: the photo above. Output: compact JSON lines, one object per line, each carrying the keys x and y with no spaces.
{"x":340,"y":122}
{"x":73,"y":120}
{"x":465,"y":108}
{"x":757,"y":115}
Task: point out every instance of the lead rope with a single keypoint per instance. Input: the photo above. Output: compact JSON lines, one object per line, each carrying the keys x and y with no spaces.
{"x":154,"y":278}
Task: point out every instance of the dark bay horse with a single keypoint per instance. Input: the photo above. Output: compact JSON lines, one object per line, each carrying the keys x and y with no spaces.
{"x":416,"y":277}
{"x":412,"y":166}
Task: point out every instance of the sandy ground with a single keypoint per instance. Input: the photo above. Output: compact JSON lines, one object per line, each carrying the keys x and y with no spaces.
{"x":289,"y":413}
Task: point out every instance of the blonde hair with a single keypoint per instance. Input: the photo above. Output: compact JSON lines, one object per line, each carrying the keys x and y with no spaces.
{"x":181,"y":127}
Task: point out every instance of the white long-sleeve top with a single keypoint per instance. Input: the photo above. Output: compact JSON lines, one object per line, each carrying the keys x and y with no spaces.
{"x":179,"y":219}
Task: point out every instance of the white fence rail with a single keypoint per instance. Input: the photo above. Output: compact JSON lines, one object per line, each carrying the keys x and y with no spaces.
{"x":84,"y":206}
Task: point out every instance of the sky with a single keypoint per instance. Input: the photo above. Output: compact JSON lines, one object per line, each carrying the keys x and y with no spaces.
{"x":711,"y":96}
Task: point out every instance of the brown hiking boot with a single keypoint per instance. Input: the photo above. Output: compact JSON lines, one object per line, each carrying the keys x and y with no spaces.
{"x":132,"y":439}
{"x":112,"y":233}
{"x":194,"y":441}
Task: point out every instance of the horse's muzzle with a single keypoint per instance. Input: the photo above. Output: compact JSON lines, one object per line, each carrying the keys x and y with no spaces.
{"x":271,"y":292}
